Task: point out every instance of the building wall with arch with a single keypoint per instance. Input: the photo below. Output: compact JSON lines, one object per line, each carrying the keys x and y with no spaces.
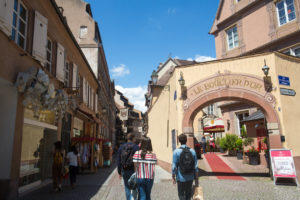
{"x":286,"y":109}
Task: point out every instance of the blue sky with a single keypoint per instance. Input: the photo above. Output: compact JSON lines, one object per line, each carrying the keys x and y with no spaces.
{"x":139,"y":34}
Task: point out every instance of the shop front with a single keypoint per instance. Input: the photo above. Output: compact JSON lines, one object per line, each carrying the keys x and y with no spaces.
{"x":38,"y":137}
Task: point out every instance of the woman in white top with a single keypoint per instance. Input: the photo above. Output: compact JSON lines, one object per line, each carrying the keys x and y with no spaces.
{"x":72,"y":157}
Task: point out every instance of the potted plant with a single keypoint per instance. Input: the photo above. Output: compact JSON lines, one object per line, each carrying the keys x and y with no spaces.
{"x":253,"y":155}
{"x":222,"y":145}
{"x":239,"y":148}
{"x":230,"y":144}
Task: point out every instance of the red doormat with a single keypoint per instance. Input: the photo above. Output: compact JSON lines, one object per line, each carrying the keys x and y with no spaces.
{"x":221,"y":169}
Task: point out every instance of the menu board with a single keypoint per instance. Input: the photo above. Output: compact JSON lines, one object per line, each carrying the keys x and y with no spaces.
{"x":282,"y":163}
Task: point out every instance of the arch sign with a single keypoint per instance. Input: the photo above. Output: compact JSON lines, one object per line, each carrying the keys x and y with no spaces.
{"x":242,"y":82}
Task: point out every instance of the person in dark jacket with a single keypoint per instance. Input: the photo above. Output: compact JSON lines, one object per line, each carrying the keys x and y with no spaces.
{"x":127,"y":171}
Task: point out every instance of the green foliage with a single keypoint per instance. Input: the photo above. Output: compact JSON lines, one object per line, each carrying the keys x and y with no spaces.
{"x":230,"y":141}
{"x":239,"y":144}
{"x":223,"y":143}
{"x":243,"y":131}
{"x":248,"y":141}
{"x":253,"y":152}
{"x":218,"y":140}
{"x":265,"y":140}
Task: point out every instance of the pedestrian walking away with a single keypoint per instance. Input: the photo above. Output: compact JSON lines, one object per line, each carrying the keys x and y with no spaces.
{"x":203,"y":143}
{"x":145,"y":161}
{"x":72,"y":159}
{"x":184,"y":169}
{"x":212,"y":144}
{"x":57,"y":166}
{"x":125,"y":164}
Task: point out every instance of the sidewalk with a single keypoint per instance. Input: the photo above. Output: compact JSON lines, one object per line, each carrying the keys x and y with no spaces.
{"x":105,"y":185}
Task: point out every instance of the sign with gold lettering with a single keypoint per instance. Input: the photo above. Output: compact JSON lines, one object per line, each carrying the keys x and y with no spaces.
{"x":227,"y":80}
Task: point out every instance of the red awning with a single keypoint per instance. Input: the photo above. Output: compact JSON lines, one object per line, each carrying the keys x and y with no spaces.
{"x":215,"y":125}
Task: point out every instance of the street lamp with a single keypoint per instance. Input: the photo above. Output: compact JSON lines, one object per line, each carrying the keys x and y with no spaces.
{"x":266,"y":69}
{"x":154,"y":77}
{"x":181,"y":80}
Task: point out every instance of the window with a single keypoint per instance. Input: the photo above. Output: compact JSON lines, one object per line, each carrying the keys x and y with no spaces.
{"x":19,"y":25}
{"x":49,"y":55}
{"x":293,"y":51}
{"x":210,"y":109}
{"x":83,"y":31}
{"x":285,"y":11}
{"x":232,"y":38}
{"x":67,"y":74}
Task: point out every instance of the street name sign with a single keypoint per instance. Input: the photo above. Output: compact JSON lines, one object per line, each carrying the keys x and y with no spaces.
{"x":288,"y":92}
{"x":283,"y":80}
{"x":283,"y":164}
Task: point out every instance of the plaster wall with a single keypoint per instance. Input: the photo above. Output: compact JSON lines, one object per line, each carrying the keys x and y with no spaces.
{"x":226,"y":10}
{"x":256,"y":32}
{"x":162,"y":119}
{"x":168,"y":66}
{"x":8,"y":107}
{"x":290,"y":107}
{"x":91,"y":55}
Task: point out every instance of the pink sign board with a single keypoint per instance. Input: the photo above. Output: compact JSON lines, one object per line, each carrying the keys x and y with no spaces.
{"x":282,"y":163}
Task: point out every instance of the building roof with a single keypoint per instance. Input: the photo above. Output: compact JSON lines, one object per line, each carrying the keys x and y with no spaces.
{"x":180,"y":62}
{"x":255,"y":116}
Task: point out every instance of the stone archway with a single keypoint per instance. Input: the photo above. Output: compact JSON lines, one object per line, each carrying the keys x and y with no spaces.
{"x":227,"y":86}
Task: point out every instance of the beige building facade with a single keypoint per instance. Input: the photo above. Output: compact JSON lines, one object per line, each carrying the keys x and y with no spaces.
{"x":234,"y":79}
{"x":255,"y":26}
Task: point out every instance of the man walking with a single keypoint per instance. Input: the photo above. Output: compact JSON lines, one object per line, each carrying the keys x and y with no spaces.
{"x":184,"y":169}
{"x":125,"y":163}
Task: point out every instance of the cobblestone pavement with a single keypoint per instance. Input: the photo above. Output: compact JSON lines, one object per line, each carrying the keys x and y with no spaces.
{"x":106,"y":185}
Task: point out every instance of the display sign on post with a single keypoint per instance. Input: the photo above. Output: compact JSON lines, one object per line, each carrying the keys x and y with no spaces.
{"x":283,"y":164}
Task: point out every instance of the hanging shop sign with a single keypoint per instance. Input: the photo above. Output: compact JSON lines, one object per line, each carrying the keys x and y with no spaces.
{"x":124,"y":114}
{"x":283,"y":164}
{"x":283,"y":80}
{"x":287,"y":92}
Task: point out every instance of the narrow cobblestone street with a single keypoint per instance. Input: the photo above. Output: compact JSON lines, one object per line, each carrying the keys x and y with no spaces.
{"x":106,"y":185}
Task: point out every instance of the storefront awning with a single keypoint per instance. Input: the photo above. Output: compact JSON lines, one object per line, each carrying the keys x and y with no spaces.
{"x":215,"y":125}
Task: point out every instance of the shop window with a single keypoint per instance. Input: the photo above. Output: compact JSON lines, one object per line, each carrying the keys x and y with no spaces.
{"x":232,"y":38}
{"x":19,"y":25}
{"x":67,"y":74}
{"x":49,"y":55}
{"x":285,"y":11}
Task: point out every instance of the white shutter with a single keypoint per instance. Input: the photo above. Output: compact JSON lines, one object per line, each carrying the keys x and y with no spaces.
{"x":74,"y":75}
{"x":93,"y":99}
{"x":39,"y":49}
{"x":84,"y":90}
{"x":60,"y":63}
{"x":6,"y":16}
{"x":96,"y":103}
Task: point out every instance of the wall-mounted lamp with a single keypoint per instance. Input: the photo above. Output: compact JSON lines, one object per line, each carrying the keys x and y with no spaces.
{"x":266,"y":69}
{"x":181,"y":80}
{"x":154,"y":77}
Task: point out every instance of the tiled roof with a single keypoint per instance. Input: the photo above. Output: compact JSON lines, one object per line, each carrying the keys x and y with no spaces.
{"x":255,"y":116}
{"x":184,"y":62}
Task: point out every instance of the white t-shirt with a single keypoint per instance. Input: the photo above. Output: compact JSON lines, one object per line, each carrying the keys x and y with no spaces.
{"x":72,"y":159}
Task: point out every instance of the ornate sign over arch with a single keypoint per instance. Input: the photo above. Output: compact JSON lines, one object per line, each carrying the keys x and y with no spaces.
{"x":219,"y":82}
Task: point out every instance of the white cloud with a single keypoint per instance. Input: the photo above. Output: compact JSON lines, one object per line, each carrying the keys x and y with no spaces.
{"x":199,"y":58}
{"x":136,"y":96}
{"x":171,"y":11}
{"x":120,"y":70}
{"x":176,"y":57}
{"x":190,"y":59}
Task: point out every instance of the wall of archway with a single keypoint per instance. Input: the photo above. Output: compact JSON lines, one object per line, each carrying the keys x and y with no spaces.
{"x":240,"y":87}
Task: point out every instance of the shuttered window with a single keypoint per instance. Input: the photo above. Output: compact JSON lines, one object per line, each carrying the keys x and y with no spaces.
{"x":49,"y":55}
{"x":40,"y":40}
{"x":74,"y":82}
{"x":19,"y":24}
{"x":6,"y":13}
{"x":67,"y":74}
{"x":60,"y":63}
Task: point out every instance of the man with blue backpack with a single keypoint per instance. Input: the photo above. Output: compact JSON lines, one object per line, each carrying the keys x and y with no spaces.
{"x":184,"y":169}
{"x":125,"y":163}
